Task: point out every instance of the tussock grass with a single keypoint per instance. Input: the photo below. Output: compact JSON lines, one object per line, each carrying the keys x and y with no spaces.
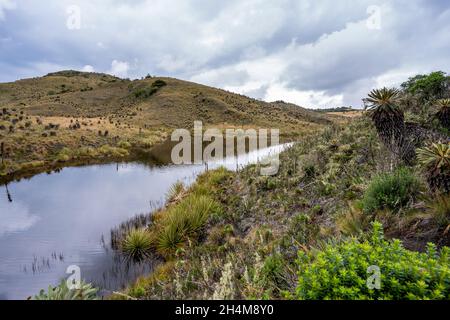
{"x":137,"y":244}
{"x":184,"y":223}
{"x":175,"y":192}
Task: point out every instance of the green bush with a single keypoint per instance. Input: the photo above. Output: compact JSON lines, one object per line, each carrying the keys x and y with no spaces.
{"x":341,"y":271}
{"x":273,"y":271}
{"x":391,"y":191}
{"x":159,"y":84}
{"x":147,"y":92}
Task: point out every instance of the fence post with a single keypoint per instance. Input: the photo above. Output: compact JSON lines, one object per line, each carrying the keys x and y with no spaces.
{"x":2,"y":150}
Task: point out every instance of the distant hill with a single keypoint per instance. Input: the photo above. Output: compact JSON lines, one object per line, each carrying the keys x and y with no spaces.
{"x":73,"y":116}
{"x":175,"y":105}
{"x":338,"y":109}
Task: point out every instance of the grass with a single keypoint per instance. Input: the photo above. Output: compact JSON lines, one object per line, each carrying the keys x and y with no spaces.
{"x":184,"y":223}
{"x":175,"y":192}
{"x":438,"y":208}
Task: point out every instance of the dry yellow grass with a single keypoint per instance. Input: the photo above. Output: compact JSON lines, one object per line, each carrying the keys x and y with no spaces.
{"x":347,"y":114}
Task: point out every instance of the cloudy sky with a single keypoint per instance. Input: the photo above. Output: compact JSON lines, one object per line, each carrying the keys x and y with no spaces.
{"x":315,"y":53}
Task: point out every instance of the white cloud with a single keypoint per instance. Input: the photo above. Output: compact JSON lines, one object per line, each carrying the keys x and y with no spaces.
{"x":119,"y":68}
{"x":6,"y":5}
{"x":257,"y":47}
{"x":16,"y":218}
{"x":88,"y":68}
{"x":307,"y":99}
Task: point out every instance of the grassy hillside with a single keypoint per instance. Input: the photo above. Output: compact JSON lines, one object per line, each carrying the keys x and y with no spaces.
{"x":312,"y":230}
{"x":370,"y":194}
{"x":74,"y":117}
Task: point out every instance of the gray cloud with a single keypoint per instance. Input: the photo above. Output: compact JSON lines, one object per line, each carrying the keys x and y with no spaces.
{"x":314,"y":53}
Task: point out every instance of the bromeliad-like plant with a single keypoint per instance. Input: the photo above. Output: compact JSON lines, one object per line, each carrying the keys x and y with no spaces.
{"x":385,"y":114}
{"x":184,"y":223}
{"x":137,"y":244}
{"x":435,"y":161}
{"x":444,"y":112}
{"x":62,"y":292}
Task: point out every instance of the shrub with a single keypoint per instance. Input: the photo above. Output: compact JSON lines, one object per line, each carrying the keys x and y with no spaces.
{"x":137,"y":244}
{"x":391,"y":191}
{"x":147,"y":92}
{"x":62,"y":292}
{"x":124,"y":144}
{"x":302,"y":229}
{"x":273,"y":271}
{"x":159,"y":84}
{"x":108,"y":151}
{"x":341,"y":271}
{"x":64,"y":155}
{"x":86,"y":152}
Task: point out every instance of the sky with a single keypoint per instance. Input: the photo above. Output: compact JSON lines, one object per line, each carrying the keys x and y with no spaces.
{"x":315,"y":53}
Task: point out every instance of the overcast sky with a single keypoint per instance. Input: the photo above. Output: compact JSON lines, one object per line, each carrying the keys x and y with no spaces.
{"x":314,"y":53}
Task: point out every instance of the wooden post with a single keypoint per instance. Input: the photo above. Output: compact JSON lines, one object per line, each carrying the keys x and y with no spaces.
{"x":2,"y":150}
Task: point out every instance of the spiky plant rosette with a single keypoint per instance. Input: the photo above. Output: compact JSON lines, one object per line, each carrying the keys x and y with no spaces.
{"x":435,"y":161}
{"x":62,"y":292}
{"x":385,"y":114}
{"x":443,"y":114}
{"x":137,"y":244}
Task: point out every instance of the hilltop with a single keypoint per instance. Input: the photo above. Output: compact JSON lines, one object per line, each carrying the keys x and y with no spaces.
{"x":71,"y":116}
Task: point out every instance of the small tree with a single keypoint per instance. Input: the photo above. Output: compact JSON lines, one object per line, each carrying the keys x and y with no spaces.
{"x":428,"y":87}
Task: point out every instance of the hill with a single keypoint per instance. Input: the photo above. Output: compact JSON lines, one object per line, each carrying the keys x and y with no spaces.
{"x":72,"y":116}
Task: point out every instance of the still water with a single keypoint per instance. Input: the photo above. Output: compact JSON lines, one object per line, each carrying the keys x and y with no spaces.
{"x":53,"y":221}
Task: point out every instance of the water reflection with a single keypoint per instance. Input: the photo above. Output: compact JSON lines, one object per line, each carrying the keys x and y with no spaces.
{"x":8,"y":195}
{"x":65,"y":219}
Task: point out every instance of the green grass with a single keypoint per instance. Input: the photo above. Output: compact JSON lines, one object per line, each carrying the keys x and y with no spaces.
{"x":184,"y":222}
{"x":137,"y":244}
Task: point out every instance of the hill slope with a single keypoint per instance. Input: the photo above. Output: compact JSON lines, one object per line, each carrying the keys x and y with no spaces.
{"x":69,"y":116}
